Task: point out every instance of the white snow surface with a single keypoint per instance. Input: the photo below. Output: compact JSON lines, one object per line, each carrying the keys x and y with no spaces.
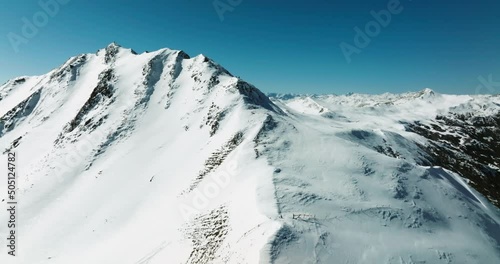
{"x":185,"y":163}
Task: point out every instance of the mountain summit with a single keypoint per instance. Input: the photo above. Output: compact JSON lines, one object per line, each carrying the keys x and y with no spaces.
{"x":161,"y":157}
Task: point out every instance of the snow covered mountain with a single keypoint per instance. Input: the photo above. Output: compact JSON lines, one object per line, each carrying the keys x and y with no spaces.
{"x":162,"y":158}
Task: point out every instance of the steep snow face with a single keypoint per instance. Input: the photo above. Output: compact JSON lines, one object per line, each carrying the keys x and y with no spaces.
{"x":162,"y":158}
{"x":117,"y":156}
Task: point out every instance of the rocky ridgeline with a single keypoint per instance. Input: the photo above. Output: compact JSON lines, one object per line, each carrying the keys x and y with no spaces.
{"x":216,"y":159}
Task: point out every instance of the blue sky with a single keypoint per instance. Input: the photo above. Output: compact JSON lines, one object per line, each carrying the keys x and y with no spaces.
{"x":279,"y":46}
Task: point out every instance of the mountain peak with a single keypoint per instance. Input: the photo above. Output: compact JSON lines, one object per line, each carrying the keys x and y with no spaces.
{"x":112,"y":50}
{"x":428,"y":91}
{"x":427,"y":94}
{"x":113,"y":45}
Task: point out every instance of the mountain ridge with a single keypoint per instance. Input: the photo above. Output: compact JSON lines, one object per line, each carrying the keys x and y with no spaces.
{"x":162,"y":157}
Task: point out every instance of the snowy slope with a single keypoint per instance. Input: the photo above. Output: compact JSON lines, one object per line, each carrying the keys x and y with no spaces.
{"x":163,"y":158}
{"x":461,"y":133}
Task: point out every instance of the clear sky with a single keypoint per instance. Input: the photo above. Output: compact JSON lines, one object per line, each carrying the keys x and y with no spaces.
{"x":278,"y":45}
